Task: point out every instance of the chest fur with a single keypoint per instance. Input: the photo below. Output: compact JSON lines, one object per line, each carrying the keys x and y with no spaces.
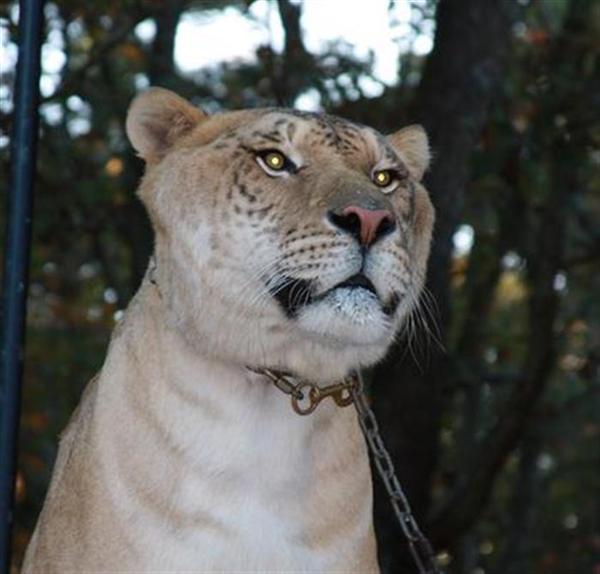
{"x":202,"y":472}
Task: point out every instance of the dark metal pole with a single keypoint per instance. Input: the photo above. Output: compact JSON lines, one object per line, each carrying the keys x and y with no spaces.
{"x":16,"y":258}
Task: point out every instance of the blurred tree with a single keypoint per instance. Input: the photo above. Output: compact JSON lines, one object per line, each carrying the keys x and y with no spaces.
{"x":496,"y":436}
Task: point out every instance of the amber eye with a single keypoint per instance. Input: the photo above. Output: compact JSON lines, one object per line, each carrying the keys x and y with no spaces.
{"x":383,"y":177}
{"x":274,"y":160}
{"x":275,"y":163}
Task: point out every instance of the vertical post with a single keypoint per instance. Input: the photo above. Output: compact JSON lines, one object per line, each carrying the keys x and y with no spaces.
{"x":16,"y":257}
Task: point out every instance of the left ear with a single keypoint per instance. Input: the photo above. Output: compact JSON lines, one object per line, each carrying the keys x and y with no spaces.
{"x":412,"y":146}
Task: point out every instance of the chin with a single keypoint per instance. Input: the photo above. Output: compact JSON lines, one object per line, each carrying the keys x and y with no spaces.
{"x":348,"y":317}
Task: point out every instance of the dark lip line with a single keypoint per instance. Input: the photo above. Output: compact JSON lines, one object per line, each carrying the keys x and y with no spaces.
{"x":298,"y":294}
{"x":358,"y":280}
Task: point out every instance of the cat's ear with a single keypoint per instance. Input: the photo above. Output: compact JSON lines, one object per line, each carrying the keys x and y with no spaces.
{"x":412,"y":145}
{"x":157,"y":118}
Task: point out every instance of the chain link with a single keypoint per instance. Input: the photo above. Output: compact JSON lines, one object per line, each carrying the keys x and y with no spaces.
{"x":420,"y":547}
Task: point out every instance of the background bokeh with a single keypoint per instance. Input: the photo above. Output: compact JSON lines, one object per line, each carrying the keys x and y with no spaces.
{"x":490,"y":400}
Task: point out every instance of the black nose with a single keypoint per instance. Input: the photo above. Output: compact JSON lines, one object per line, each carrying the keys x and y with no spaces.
{"x":367,"y":225}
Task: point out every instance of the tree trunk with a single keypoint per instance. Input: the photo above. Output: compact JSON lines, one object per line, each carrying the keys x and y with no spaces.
{"x":546,"y":259}
{"x":527,"y":491}
{"x":297,"y":66}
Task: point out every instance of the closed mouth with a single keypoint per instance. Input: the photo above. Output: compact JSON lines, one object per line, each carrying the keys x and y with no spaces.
{"x":299,"y":293}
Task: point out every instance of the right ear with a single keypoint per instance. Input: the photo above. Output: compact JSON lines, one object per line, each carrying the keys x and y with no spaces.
{"x":412,"y":145}
{"x":156,"y":119}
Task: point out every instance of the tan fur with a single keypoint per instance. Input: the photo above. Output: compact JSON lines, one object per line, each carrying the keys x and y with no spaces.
{"x":180,"y":459}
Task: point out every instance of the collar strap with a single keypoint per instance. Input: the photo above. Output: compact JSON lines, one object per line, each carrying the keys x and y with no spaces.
{"x":306,"y":396}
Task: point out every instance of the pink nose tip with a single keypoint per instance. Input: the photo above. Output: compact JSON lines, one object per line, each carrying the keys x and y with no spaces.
{"x":373,"y":222}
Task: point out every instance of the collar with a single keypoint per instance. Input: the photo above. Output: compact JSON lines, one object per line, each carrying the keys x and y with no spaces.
{"x":306,"y":396}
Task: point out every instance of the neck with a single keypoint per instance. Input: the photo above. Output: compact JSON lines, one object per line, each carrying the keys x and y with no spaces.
{"x":171,"y":375}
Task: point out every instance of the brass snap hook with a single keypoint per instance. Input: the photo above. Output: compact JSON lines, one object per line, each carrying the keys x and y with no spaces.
{"x":343,"y":397}
{"x":306,"y":398}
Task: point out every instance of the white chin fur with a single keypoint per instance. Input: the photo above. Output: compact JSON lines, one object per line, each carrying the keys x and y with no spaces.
{"x":348,"y":316}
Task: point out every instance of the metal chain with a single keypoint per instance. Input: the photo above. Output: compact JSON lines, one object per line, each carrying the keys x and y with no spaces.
{"x":420,"y":547}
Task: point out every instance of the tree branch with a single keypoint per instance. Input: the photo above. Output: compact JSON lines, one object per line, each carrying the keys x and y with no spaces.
{"x":97,"y":54}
